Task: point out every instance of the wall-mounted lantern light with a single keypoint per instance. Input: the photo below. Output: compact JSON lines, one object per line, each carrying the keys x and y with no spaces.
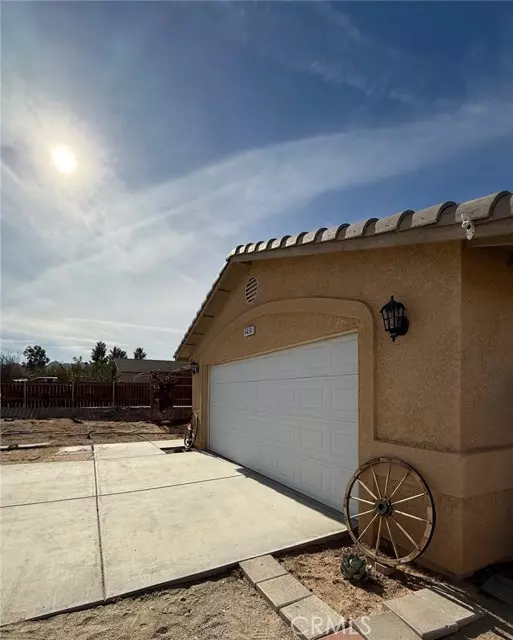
{"x":394,"y":318}
{"x":194,"y":367}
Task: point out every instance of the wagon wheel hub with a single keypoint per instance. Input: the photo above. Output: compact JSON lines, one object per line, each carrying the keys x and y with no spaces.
{"x":383,"y":507}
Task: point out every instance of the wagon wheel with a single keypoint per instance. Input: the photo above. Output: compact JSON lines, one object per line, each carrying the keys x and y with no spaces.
{"x":397,"y":512}
{"x":191,"y":432}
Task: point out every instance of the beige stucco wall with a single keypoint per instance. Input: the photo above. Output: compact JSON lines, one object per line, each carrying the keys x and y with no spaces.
{"x":410,"y":391}
{"x":487,"y":349}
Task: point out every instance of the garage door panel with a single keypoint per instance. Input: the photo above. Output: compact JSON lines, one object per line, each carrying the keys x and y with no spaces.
{"x":333,"y":443}
{"x":291,"y":415}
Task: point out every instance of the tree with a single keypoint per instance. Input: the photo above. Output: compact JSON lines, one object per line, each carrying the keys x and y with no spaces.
{"x":36,"y":358}
{"x":79,"y":369}
{"x":10,"y":366}
{"x":99,"y":353}
{"x":58,"y":370}
{"x":139,"y":354}
{"x":116,"y":352}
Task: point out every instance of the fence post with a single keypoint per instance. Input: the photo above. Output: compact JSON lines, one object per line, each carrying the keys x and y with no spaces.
{"x":113,"y":393}
{"x":24,"y":394}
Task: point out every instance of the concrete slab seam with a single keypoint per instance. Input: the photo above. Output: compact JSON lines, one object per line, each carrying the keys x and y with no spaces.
{"x":169,"y":486}
{"x":148,"y":440}
{"x":28,"y":504}
{"x":97,"y":499}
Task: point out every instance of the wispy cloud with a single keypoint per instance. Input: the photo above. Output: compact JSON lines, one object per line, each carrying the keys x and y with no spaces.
{"x":323,"y":41}
{"x":131,"y":266}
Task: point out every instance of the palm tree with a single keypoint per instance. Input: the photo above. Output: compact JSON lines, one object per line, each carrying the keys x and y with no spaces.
{"x":139,"y":353}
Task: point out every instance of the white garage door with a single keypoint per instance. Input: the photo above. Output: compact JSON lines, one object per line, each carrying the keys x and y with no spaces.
{"x":291,"y":415}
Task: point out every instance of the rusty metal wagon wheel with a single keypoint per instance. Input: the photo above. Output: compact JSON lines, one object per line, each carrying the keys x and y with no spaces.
{"x":191,"y":432}
{"x":397,"y":513}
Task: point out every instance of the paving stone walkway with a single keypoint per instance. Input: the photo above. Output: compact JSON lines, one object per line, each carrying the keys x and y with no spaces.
{"x":422,"y":614}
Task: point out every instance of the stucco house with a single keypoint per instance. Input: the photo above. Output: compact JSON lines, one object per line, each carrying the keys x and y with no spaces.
{"x":299,"y":380}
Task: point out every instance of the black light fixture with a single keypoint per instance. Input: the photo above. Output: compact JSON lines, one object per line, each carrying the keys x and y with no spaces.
{"x":394,"y":318}
{"x":194,"y":367}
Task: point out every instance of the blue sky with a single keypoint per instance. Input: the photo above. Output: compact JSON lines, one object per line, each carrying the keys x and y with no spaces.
{"x":199,"y":126}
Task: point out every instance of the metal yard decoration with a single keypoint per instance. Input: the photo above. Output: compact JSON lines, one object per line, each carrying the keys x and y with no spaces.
{"x":191,"y":432}
{"x":389,"y":511}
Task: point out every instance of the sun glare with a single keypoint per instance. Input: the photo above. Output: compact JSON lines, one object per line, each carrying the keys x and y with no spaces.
{"x":64,"y":160}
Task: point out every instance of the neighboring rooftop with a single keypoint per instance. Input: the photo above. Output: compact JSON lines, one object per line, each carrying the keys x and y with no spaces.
{"x":131,"y":365}
{"x":486,"y":221}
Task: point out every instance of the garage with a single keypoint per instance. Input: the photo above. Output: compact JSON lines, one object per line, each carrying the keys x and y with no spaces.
{"x":300,"y":374}
{"x":291,"y":415}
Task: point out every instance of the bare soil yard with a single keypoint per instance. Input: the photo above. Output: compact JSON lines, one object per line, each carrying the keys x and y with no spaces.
{"x":319,"y":570}
{"x":63,"y":432}
{"x":227,"y":608}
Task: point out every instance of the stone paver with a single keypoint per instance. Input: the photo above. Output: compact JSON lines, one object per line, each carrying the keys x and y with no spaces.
{"x":426,"y":619}
{"x":311,"y":618}
{"x":384,"y":626}
{"x":346,"y":634}
{"x":262,"y":568}
{"x":459,"y":612}
{"x":282,"y":591}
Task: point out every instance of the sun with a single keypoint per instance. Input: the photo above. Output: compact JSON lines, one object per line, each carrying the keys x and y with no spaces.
{"x":64,"y":159}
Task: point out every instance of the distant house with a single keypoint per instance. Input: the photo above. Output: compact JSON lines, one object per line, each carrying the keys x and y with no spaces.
{"x":131,"y":370}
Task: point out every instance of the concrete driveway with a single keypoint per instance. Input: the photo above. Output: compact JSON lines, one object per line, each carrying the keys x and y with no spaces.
{"x":78,"y":533}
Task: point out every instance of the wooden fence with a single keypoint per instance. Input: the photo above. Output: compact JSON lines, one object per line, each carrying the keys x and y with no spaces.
{"x":90,"y":394}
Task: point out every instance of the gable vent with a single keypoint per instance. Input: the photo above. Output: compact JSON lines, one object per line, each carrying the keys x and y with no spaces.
{"x":251,"y":289}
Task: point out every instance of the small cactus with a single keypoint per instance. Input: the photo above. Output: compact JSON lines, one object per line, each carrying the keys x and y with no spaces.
{"x":354,"y":567}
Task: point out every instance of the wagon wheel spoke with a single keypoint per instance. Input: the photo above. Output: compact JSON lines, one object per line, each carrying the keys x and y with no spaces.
{"x":403,"y":530}
{"x":392,"y":539}
{"x":409,"y":515}
{"x":364,"y":531}
{"x":387,"y":479}
{"x":399,"y":485}
{"x":376,"y":482}
{"x":367,"y":488}
{"x":378,"y":539}
{"x":360,"y":500}
{"x":419,"y":495}
{"x":364,"y":513}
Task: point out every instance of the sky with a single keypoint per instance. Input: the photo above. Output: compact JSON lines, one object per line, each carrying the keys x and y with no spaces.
{"x":196,"y":127}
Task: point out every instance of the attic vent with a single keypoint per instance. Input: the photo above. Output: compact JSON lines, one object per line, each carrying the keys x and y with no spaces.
{"x":251,"y":289}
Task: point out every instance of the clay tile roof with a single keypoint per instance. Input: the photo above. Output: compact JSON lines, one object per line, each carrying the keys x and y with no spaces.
{"x":399,"y":228}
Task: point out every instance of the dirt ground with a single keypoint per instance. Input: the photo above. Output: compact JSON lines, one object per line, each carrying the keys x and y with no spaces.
{"x":226,"y":608}
{"x":63,"y":432}
{"x":318,"y":568}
